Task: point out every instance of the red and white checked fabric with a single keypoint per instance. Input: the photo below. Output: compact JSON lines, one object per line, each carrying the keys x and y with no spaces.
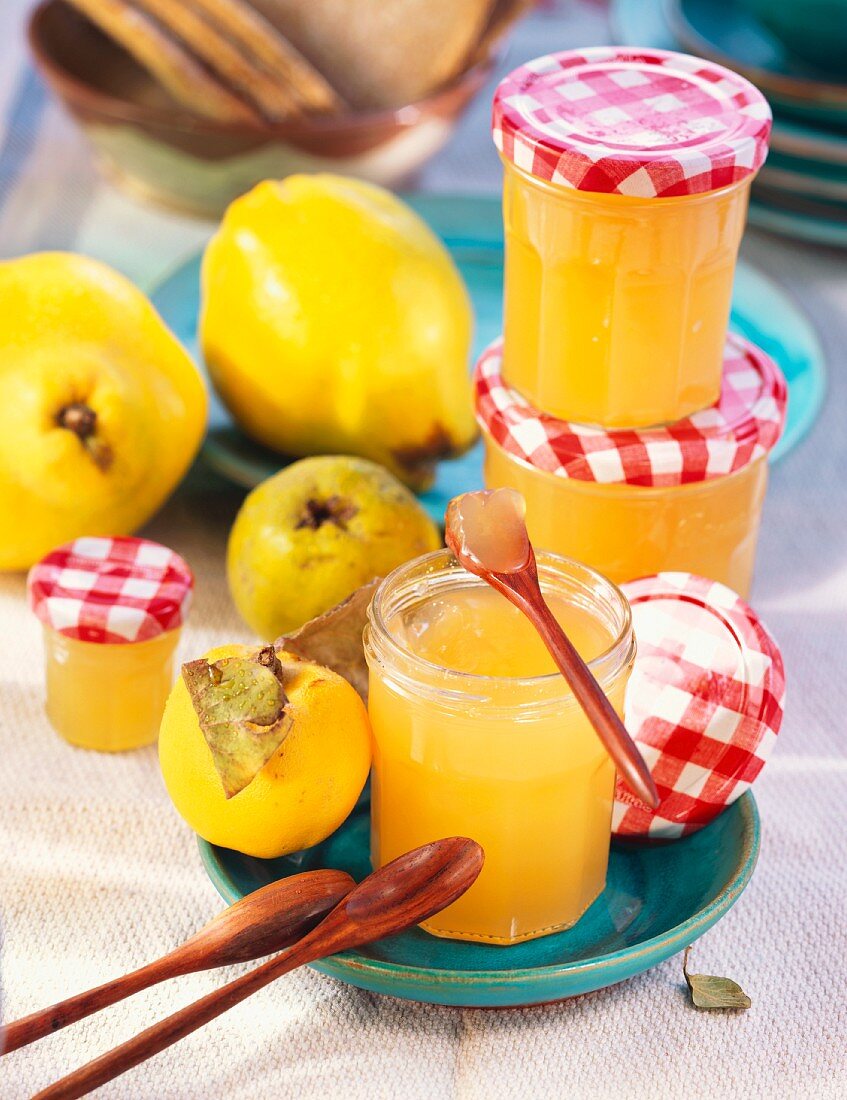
{"x":637,"y":122}
{"x":113,"y":590}
{"x":743,"y":425}
{"x":704,"y":703}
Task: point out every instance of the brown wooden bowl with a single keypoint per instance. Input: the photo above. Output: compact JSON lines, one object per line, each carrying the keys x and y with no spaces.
{"x":156,"y":149}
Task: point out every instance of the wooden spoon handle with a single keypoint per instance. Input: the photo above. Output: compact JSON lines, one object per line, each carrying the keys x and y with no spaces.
{"x":400,"y":894}
{"x":173,"y":1028}
{"x":591,"y":697}
{"x":45,"y":1021}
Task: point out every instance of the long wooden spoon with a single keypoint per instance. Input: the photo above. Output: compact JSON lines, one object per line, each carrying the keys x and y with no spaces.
{"x":487,"y":533}
{"x":401,"y":894}
{"x":260,"y":924}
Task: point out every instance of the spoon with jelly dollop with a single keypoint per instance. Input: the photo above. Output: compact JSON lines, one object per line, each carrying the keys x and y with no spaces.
{"x":487,"y":533}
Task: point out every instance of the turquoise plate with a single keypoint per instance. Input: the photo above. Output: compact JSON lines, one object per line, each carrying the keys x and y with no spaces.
{"x":801,"y":176}
{"x":472,"y":229}
{"x":657,"y":900}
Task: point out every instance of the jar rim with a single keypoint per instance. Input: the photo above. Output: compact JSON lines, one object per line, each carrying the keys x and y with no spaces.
{"x":616,"y":654}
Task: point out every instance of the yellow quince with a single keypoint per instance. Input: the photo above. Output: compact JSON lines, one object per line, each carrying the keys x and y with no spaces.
{"x":101,"y":409}
{"x":334,"y":321}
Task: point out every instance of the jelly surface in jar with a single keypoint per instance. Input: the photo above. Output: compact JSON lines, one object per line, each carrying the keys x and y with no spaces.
{"x":486,"y":741}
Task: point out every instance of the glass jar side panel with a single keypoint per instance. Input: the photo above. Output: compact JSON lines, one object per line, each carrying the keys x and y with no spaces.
{"x":108,"y":697}
{"x":604,"y":293}
{"x":518,"y":787}
{"x":626,"y":531}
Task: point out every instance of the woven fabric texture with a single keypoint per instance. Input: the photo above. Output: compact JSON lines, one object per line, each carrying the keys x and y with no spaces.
{"x":99,"y":875}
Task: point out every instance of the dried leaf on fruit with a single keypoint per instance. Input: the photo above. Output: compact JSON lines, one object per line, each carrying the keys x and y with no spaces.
{"x":710,"y":992}
{"x":334,"y":639}
{"x":243,"y":713}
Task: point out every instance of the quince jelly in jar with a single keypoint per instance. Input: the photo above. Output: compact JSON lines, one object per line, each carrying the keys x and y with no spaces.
{"x":682,"y":497}
{"x":476,"y":734}
{"x":627,"y":175}
{"x":111,"y":610}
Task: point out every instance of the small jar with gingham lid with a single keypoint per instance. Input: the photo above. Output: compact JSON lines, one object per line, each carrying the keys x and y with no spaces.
{"x":684,"y":496}
{"x":627,"y":174}
{"x":111,"y":610}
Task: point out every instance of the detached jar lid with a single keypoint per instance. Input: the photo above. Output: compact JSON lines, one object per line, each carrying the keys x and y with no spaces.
{"x":744,"y":424}
{"x":704,"y":703}
{"x":637,"y":122}
{"x":113,"y":590}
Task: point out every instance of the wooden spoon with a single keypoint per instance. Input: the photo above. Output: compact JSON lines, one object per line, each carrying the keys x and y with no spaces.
{"x":401,"y":894}
{"x":260,"y":924}
{"x":487,"y":533}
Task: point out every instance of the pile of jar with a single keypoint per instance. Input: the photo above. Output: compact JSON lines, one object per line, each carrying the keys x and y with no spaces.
{"x":635,"y":426}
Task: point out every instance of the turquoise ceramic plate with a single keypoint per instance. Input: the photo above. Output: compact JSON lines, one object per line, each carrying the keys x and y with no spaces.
{"x":472,"y":229}
{"x":657,"y":900}
{"x":793,"y":215}
{"x":801,"y":176}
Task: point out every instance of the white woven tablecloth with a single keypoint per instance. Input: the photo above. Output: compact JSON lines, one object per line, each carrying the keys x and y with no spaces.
{"x":98,"y":875}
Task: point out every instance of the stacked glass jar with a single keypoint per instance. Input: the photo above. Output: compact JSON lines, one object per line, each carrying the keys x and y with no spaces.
{"x":637,"y":431}
{"x":635,"y":427}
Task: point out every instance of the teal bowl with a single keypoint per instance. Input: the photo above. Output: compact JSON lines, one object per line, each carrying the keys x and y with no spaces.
{"x":658,"y":899}
{"x":814,"y":30}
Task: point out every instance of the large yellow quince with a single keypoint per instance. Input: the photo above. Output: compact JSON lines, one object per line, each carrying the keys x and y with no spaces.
{"x":334,"y":321}
{"x":101,"y":409}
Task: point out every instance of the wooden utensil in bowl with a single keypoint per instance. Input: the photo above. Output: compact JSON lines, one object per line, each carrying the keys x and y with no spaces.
{"x":158,"y":149}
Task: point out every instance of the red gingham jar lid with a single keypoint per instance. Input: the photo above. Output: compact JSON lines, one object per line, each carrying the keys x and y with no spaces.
{"x":744,"y":424}
{"x":704,"y":702}
{"x":114,"y":590}
{"x":627,"y":121}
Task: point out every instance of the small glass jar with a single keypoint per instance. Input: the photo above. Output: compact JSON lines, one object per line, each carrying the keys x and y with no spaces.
{"x":107,"y":697}
{"x":111,"y":611}
{"x":627,"y":176}
{"x":509,"y":760}
{"x":686,"y":496}
{"x":616,"y":308}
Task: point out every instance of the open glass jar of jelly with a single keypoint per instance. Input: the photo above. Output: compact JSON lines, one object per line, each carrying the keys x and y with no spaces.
{"x":476,"y":734}
{"x":685,"y":496}
{"x":627,"y":175}
{"x":111,"y":610}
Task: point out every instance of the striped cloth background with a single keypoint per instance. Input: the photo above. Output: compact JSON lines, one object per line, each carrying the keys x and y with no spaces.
{"x":98,"y":875}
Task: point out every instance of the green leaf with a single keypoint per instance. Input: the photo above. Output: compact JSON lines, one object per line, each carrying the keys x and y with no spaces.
{"x":243,"y":713}
{"x":710,"y":992}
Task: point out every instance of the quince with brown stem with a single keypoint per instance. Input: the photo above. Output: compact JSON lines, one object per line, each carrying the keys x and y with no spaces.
{"x":263,"y":752}
{"x":313,"y":533}
{"x":102,"y":410}
{"x":333,"y":320}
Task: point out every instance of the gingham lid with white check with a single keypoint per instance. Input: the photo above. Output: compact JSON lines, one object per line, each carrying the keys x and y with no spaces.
{"x":743,"y":425}
{"x":704,"y":702}
{"x":113,"y":590}
{"x":638,"y":122}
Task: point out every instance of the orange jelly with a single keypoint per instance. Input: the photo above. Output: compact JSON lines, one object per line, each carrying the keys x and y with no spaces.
{"x":684,"y":497}
{"x":627,"y":175}
{"x":476,"y":734}
{"x":111,"y":610}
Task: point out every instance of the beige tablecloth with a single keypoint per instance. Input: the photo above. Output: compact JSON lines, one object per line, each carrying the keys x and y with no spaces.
{"x":98,"y":875}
